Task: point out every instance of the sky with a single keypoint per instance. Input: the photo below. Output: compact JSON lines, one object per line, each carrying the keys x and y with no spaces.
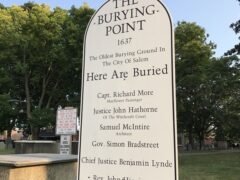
{"x":215,"y":16}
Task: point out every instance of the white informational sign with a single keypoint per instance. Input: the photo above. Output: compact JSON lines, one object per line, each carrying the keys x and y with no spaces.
{"x":66,"y":121}
{"x":128,"y":116}
{"x":65,"y":144}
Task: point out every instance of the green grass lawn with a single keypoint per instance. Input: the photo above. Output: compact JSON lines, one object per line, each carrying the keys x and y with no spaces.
{"x":6,"y":151}
{"x":209,"y":166}
{"x":201,"y":166}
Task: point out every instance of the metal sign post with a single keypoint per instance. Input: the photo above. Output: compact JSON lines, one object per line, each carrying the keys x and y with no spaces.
{"x":66,"y":126}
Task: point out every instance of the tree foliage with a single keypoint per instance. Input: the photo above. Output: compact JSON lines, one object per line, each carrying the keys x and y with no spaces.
{"x":193,"y":53}
{"x":226,"y":84}
{"x":6,"y":113}
{"x":40,"y":69}
{"x":206,"y":86}
{"x":1,"y":6}
{"x":236,"y":28}
{"x":41,"y":58}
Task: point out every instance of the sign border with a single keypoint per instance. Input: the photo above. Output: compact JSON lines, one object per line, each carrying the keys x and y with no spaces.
{"x":75,"y":129}
{"x":173,"y":90}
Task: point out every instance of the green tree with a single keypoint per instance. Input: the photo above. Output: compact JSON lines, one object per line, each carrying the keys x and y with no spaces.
{"x":75,"y":27}
{"x":236,"y":28}
{"x":41,"y":50}
{"x":225,"y":84}
{"x":1,"y":6}
{"x":207,"y":87}
{"x":193,"y":54}
{"x":7,"y":114}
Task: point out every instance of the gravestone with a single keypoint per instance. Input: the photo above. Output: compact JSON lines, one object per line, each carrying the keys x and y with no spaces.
{"x":128,"y":116}
{"x":9,"y":143}
{"x":2,"y":145}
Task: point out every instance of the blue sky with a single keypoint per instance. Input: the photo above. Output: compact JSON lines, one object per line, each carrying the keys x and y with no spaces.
{"x":213,"y":15}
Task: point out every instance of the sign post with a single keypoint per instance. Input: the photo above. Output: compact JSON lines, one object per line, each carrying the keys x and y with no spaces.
{"x":128,"y":115}
{"x":66,"y":126}
{"x":65,"y":144}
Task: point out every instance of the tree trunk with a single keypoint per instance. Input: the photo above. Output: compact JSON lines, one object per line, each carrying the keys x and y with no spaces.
{"x":191,"y":140}
{"x":9,"y":132}
{"x":43,"y":93}
{"x":50,"y":98}
{"x":200,"y":142}
{"x":28,"y":98}
{"x":35,"y":132}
